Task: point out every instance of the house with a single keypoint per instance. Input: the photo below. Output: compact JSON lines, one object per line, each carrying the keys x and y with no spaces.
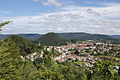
{"x":118,"y":59}
{"x":20,"y":56}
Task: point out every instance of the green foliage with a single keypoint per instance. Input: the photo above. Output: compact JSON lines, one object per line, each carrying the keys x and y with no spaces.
{"x":22,"y":45}
{"x":72,"y":72}
{"x":9,"y":62}
{"x":30,"y":36}
{"x":27,"y":71}
{"x":12,"y":67}
{"x":48,"y":70}
{"x":52,"y":39}
{"x":87,"y":36}
{"x":76,"y":52}
{"x":74,"y":40}
{"x":104,"y":71}
{"x":2,"y":24}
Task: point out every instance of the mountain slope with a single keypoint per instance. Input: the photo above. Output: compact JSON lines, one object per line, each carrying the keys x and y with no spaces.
{"x":22,"y":45}
{"x":52,"y":39}
{"x":3,"y":36}
{"x":30,"y":36}
{"x":26,"y":36}
{"x":77,"y":35}
{"x":85,"y":36}
{"x":115,"y":36}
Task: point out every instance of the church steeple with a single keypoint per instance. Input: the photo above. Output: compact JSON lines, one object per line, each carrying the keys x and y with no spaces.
{"x":39,"y":43}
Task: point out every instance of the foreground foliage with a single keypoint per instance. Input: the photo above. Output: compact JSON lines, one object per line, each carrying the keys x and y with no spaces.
{"x":23,"y":46}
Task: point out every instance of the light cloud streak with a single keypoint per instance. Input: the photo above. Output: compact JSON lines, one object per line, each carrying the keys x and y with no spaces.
{"x":49,"y":2}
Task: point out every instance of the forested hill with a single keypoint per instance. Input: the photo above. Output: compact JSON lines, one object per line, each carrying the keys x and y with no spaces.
{"x":30,"y":36}
{"x":115,"y":36}
{"x":3,"y":36}
{"x":22,"y":45}
{"x":26,"y":36}
{"x":52,"y":39}
{"x":85,"y":36}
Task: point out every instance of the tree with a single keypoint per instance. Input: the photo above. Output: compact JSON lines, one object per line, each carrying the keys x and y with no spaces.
{"x":24,"y":46}
{"x":9,"y":62}
{"x":2,"y":24}
{"x":27,"y":70}
{"x":74,"y":40}
{"x":72,"y":72}
{"x":76,"y":52}
{"x":104,"y":71}
{"x":47,"y":69}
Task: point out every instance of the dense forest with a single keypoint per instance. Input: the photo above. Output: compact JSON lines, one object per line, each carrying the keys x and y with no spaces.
{"x":52,"y":39}
{"x":22,"y":45}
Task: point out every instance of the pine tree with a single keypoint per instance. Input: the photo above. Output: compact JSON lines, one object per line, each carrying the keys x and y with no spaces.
{"x":9,"y":62}
{"x":27,"y":70}
{"x":2,"y":24}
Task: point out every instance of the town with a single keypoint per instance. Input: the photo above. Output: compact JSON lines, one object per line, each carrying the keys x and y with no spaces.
{"x":84,"y":53}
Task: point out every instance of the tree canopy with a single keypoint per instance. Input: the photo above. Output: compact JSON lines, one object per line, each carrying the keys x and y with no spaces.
{"x":2,"y":24}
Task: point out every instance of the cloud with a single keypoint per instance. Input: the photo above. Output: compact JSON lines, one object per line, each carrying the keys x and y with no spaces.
{"x":52,"y":2}
{"x":101,"y":3}
{"x":56,"y":3}
{"x":49,"y":2}
{"x":4,"y":12}
{"x":36,"y":0}
{"x":98,"y":20}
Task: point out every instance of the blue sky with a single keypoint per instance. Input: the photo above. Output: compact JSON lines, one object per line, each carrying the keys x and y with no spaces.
{"x":34,"y":7}
{"x":42,"y":16}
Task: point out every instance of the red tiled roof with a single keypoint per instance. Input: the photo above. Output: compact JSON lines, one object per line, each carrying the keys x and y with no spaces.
{"x":117,"y":59}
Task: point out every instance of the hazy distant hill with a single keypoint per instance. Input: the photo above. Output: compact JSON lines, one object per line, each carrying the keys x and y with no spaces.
{"x":3,"y":36}
{"x":30,"y":36}
{"x":77,"y":35}
{"x":85,"y":36}
{"x":52,"y":39}
{"x":115,"y":36}
{"x":22,"y":45}
{"x":26,"y":36}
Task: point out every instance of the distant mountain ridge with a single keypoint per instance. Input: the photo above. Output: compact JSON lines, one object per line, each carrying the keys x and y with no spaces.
{"x":115,"y":36}
{"x":2,"y":36}
{"x":30,"y":36}
{"x":71,"y":35}
{"x":26,"y":36}
{"x":83,"y":36}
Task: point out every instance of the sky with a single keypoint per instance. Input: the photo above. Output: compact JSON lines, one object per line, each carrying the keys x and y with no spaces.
{"x":43,"y":16}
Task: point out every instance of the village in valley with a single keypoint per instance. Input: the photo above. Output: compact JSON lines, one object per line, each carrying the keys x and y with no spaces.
{"x":84,"y":53}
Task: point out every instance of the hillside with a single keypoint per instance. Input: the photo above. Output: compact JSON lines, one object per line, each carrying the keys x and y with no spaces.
{"x":52,"y":39}
{"x":85,"y":36}
{"x":22,"y":45}
{"x":26,"y":36}
{"x":3,"y":36}
{"x":30,"y":36}
{"x":72,"y":35}
{"x":115,"y":36}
